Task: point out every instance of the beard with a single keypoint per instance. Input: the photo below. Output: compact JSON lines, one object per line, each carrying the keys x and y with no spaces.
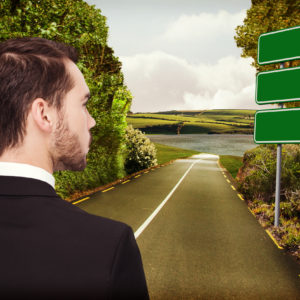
{"x":66,"y":150}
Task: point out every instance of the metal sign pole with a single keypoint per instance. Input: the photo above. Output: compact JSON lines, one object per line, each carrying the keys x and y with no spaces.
{"x":278,"y":177}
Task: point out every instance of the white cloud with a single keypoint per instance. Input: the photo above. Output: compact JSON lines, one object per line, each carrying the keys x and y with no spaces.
{"x":202,"y":37}
{"x":222,"y":99}
{"x":160,"y":81}
{"x":198,"y":67}
{"x":205,"y":26}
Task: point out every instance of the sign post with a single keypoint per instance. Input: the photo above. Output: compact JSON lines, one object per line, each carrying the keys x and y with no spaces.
{"x":279,"y":125}
{"x":278,"y":180}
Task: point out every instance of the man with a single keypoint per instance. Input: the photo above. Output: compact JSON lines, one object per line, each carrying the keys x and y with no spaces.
{"x":50,"y":248}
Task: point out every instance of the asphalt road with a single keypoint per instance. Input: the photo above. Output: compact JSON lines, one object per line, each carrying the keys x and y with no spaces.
{"x":203,"y":243}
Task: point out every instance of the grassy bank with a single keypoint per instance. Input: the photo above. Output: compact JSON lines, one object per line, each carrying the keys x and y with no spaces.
{"x":167,"y":153}
{"x":231,"y":163}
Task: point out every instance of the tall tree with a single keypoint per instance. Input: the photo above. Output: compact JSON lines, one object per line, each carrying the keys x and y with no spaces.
{"x":265,"y":16}
{"x":76,"y":23}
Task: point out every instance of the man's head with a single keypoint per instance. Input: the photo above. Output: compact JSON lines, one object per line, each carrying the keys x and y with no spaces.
{"x":43,"y":117}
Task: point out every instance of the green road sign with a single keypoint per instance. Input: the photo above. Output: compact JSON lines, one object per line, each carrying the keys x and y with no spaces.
{"x":277,"y":126}
{"x":281,"y":85}
{"x":279,"y":46}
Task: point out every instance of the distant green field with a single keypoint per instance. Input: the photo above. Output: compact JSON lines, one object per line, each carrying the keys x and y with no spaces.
{"x":211,"y":121}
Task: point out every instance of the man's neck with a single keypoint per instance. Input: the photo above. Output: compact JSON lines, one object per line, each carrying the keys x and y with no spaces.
{"x":13,"y":156}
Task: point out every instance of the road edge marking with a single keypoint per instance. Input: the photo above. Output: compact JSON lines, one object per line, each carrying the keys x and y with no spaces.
{"x":81,"y":200}
{"x":241,"y":197}
{"x":273,"y":239}
{"x":108,"y":189}
{"x":252,"y":212}
{"x":156,"y":211}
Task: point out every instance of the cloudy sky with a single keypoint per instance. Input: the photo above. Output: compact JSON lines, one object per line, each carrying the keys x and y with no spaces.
{"x":181,"y":54}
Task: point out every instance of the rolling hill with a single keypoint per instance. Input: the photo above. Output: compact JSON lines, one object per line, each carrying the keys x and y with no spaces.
{"x":219,"y":121}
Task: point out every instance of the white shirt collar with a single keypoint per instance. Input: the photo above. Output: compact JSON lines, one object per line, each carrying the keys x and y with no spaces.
{"x":26,"y":170}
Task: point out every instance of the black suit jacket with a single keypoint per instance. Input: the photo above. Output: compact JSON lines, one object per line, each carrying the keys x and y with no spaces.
{"x":51,"y":249}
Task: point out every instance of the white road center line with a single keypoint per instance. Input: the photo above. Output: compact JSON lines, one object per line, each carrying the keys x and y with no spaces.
{"x":152,"y":216}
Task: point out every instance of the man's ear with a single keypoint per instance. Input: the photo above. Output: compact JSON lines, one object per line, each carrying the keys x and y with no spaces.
{"x":42,"y":115}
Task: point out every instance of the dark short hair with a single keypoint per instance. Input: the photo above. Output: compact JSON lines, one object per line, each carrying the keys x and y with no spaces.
{"x":30,"y":68}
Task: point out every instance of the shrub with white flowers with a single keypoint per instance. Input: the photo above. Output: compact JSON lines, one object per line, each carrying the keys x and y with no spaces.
{"x":140,"y":153}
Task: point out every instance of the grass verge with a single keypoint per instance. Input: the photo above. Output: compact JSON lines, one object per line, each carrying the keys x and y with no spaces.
{"x":231,"y":163}
{"x":168,"y":153}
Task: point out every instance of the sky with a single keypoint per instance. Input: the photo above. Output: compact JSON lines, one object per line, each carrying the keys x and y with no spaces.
{"x":181,"y":54}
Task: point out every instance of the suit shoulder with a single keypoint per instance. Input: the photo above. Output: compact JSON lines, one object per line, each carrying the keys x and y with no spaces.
{"x":77,"y":217}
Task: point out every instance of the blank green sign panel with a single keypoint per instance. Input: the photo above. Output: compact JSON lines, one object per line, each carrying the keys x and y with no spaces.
{"x":278,"y":86}
{"x":277,"y":126}
{"x":278,"y":46}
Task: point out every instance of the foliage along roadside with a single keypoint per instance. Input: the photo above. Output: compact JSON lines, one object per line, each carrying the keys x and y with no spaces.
{"x":256,"y":181}
{"x":78,"y":24}
{"x":257,"y":177}
{"x":288,"y":233}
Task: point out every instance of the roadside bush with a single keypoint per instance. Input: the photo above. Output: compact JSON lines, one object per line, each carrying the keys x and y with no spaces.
{"x":290,"y":233}
{"x":140,"y":153}
{"x":256,"y":180}
{"x":257,"y":177}
{"x":291,"y":208}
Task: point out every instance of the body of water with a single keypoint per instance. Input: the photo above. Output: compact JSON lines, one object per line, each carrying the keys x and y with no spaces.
{"x":221,"y":144}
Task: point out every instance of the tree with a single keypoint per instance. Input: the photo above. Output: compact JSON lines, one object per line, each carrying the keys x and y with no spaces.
{"x":78,"y":24}
{"x":265,"y":16}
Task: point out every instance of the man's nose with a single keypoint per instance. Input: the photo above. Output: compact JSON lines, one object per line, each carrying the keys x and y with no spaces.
{"x":92,"y":122}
